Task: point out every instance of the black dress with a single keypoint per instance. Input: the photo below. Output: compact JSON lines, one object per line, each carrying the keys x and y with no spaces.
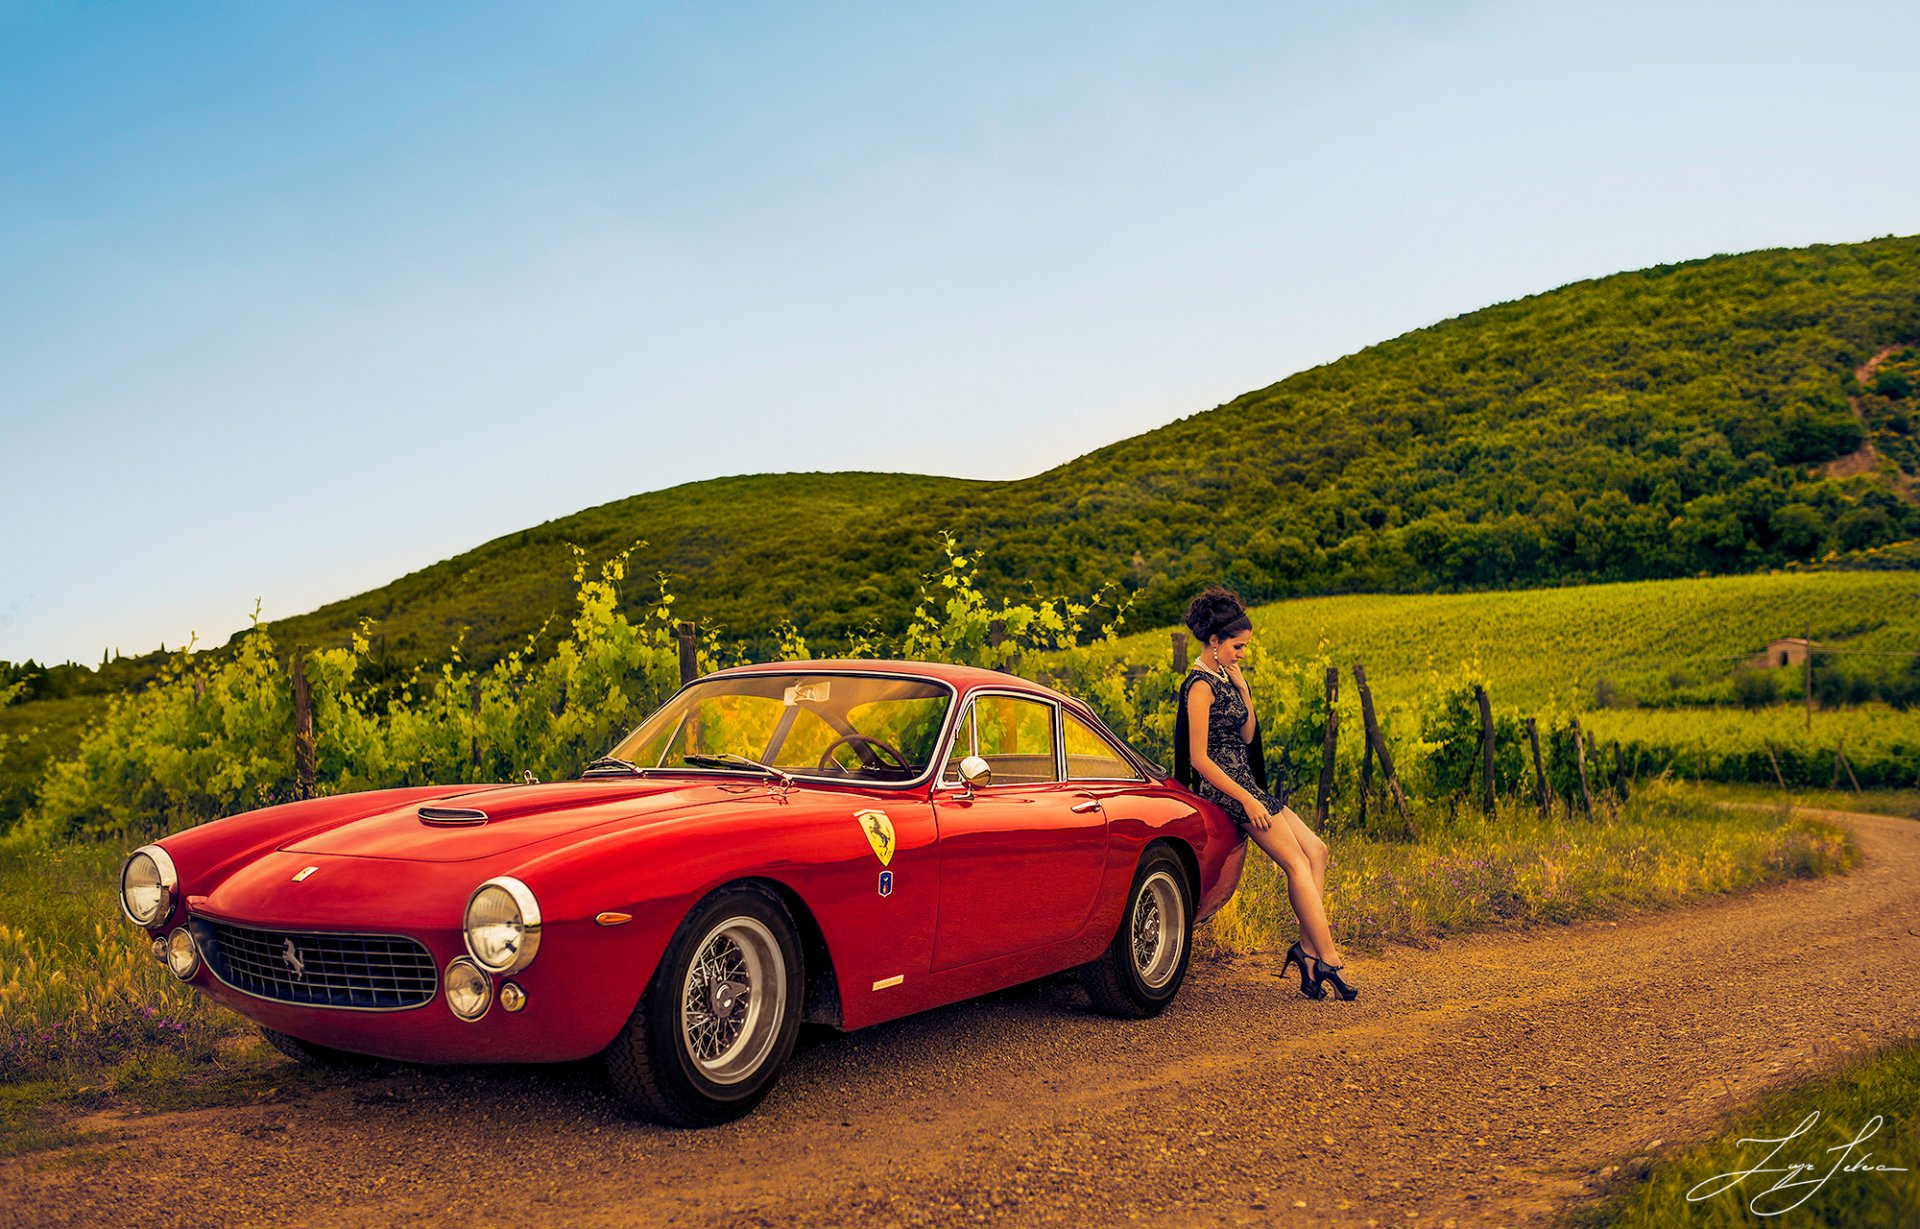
{"x":1243,"y":761}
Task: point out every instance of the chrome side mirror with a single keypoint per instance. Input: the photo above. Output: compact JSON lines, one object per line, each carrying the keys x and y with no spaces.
{"x":974,"y":771}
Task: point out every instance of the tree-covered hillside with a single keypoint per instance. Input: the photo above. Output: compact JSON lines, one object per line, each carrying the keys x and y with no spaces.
{"x":1666,"y":422}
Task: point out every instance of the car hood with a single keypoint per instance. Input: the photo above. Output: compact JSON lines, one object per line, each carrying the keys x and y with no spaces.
{"x":517,"y":816}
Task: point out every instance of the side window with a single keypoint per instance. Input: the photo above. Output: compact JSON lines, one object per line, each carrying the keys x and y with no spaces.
{"x":1091,"y":757}
{"x":1015,"y":737}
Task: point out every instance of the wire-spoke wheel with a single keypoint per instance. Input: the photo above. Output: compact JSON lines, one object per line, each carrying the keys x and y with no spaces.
{"x":733,"y":1000}
{"x":718,"y":1020}
{"x":1142,"y":968}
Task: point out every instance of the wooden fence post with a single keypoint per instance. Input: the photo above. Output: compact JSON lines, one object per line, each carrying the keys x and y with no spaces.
{"x":1326,"y":758}
{"x":1580,"y":754}
{"x":1619,"y":773}
{"x":997,"y":636}
{"x":1841,"y":750}
{"x":1380,"y":749}
{"x":689,"y":662}
{"x":303,"y":744}
{"x":1486,"y":748}
{"x":1775,"y":761}
{"x":1539,"y":771}
{"x":476,"y":726}
{"x":1180,"y":654}
{"x":1366,"y":776}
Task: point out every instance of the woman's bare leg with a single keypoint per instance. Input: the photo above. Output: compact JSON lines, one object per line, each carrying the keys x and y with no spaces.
{"x":1280,"y":844}
{"x":1316,"y":849}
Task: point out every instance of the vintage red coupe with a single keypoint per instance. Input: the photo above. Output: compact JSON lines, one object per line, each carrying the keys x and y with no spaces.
{"x":836,"y":841}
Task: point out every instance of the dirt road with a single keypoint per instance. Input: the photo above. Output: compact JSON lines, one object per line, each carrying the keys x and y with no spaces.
{"x":1482,"y":1082}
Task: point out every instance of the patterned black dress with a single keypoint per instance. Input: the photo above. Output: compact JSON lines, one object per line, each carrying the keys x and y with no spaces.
{"x":1243,"y":761}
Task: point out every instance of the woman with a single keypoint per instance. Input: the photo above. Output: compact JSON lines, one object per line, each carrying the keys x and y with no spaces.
{"x":1217,"y":754}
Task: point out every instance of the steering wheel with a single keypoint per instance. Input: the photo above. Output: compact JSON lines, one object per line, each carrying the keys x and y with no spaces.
{"x":880,"y":750}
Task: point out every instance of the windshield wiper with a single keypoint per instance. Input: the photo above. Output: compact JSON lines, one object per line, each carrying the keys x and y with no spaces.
{"x":614,"y":761}
{"x":728,"y":759}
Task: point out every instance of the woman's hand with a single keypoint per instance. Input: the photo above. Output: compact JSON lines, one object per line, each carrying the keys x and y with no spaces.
{"x":1239,"y":680}
{"x":1257,"y":814}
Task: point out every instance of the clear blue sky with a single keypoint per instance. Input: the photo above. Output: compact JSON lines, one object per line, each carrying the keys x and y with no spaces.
{"x":295,"y":299}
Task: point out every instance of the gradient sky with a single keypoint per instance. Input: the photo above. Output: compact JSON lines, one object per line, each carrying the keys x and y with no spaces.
{"x":295,"y":299}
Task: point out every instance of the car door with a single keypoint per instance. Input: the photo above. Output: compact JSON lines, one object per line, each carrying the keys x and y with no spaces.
{"x":1020,"y":857}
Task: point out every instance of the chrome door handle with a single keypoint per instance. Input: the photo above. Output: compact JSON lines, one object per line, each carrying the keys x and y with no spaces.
{"x":1082,"y":808}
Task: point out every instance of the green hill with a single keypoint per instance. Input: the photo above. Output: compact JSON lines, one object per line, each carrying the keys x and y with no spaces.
{"x":1718,"y":416}
{"x":1667,"y":422}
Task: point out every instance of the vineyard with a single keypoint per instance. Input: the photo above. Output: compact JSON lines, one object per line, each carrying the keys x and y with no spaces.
{"x":1617,"y":681}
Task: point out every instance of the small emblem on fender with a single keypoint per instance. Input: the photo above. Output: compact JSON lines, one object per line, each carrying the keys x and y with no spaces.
{"x":888,"y":983}
{"x":291,"y":955}
{"x":301,"y":877}
{"x":886,"y":883}
{"x":879,"y":832}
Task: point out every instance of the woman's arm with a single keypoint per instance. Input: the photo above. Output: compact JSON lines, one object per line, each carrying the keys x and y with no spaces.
{"x":1199,"y":704}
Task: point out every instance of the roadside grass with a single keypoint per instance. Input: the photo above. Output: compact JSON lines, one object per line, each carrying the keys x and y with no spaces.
{"x":1669,"y":846}
{"x":89,"y":1019}
{"x":1653,"y":1191}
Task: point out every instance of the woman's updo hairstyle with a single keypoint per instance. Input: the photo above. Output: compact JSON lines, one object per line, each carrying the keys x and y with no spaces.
{"x":1217,"y":612}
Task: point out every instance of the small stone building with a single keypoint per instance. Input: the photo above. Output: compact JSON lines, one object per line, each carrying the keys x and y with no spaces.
{"x":1792,"y":651}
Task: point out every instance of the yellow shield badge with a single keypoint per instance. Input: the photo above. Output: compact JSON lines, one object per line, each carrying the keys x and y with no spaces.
{"x":879,"y":830}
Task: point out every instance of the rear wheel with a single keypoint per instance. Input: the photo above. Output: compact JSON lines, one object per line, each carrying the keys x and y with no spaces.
{"x":1142,"y":968}
{"x":719,"y":1018}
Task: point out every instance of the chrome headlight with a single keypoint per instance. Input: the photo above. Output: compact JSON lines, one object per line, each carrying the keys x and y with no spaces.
{"x":503,"y":925}
{"x":147,"y":883}
{"x":469,"y":991}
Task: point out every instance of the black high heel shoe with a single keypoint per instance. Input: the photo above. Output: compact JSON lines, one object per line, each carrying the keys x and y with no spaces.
{"x":1308,"y":986}
{"x":1322,"y":971}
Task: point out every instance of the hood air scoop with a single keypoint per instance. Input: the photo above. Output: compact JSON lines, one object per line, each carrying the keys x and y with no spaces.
{"x":452,"y":817}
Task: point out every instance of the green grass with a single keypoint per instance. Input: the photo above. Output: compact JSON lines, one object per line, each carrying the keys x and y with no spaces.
{"x":1902,"y":803}
{"x":1653,"y":1192}
{"x":1668,"y":847}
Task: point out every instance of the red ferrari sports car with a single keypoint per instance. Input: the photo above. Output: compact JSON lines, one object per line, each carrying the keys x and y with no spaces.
{"x":835,"y":841}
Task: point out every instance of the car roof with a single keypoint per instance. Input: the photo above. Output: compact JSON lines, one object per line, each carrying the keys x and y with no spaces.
{"x":963,"y":678}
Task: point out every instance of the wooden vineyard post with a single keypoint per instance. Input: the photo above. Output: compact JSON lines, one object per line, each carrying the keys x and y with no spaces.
{"x":1366,"y":776}
{"x":476,"y":727}
{"x":1326,"y":758}
{"x":1486,"y":748}
{"x":1775,"y":761}
{"x":997,"y":636}
{"x":1539,"y":771}
{"x":303,"y":743}
{"x":1180,"y":654}
{"x":689,"y":662}
{"x":1841,"y":751}
{"x":1380,"y":749}
{"x":1619,"y":772}
{"x":1580,"y":756}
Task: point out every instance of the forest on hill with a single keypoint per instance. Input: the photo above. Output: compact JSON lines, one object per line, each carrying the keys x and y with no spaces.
{"x":1673,"y":421}
{"x":1718,"y":416}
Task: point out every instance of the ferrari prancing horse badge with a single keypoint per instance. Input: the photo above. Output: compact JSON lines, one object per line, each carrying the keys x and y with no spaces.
{"x":879,"y":830}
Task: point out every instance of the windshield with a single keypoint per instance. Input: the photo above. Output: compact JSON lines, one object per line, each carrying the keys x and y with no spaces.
{"x":831,"y":725}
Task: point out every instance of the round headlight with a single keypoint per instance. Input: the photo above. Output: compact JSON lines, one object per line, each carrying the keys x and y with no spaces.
{"x":468,"y":989}
{"x":147,"y":881}
{"x":182,"y":957}
{"x":503,"y":925}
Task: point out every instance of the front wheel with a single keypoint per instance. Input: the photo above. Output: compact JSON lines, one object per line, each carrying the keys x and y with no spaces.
{"x":1142,"y":968}
{"x":718,"y":1021}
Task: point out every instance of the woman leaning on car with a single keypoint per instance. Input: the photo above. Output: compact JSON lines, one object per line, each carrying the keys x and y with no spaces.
{"x":1217,"y":754}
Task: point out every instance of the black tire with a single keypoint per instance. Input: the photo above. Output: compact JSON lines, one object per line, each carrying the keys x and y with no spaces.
{"x":1139,"y":973}
{"x":308,"y":1054}
{"x":696,"y":1051}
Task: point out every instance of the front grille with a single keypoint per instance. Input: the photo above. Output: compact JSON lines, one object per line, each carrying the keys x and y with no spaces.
{"x":372,"y":972}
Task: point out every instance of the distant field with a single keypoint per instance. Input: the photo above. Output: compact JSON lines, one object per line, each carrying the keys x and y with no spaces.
{"x":1549,"y":649}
